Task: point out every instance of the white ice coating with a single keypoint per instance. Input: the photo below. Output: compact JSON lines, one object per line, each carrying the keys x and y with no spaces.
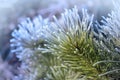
{"x":29,"y":32}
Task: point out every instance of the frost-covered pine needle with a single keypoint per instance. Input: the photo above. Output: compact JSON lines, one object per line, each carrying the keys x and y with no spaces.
{"x":28,"y":35}
{"x":71,"y":41}
{"x":25,"y":43}
{"x":109,"y":41}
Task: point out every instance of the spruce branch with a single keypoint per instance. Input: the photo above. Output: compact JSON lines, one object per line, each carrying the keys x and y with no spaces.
{"x":109,"y":41}
{"x":71,"y":41}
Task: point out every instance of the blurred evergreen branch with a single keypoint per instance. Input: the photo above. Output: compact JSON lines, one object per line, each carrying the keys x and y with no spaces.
{"x":109,"y":42}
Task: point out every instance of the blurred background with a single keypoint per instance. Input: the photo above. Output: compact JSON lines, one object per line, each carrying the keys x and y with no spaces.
{"x":12,"y":12}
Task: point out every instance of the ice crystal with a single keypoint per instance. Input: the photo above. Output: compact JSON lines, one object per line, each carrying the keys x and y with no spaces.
{"x":28,"y":35}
